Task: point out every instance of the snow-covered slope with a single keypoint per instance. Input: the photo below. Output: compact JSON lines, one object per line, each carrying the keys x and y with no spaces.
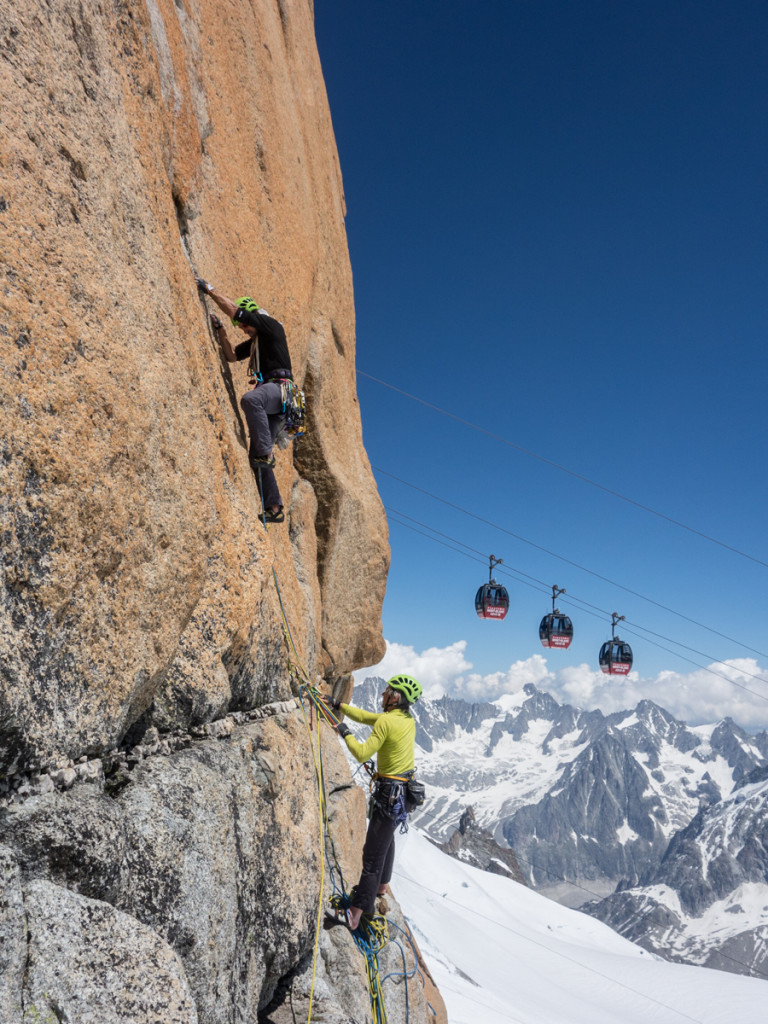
{"x":500,"y":952}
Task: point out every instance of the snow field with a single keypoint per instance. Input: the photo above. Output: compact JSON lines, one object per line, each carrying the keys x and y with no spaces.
{"x":500,"y":952}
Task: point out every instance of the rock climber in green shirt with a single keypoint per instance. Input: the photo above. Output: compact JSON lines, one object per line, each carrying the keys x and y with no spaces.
{"x":393,"y":740}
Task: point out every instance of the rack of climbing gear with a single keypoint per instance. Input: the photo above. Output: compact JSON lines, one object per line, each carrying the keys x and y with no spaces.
{"x":294,"y":410}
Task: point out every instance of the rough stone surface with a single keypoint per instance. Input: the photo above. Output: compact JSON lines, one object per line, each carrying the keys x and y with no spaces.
{"x":216,"y":850}
{"x":13,"y":938}
{"x":89,"y":963}
{"x":137,"y":580}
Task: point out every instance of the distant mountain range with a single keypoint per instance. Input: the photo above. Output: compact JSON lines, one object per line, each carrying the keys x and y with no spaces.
{"x":707,"y":901}
{"x":667,"y":821}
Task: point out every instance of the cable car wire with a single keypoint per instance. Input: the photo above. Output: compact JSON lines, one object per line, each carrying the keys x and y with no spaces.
{"x":598,"y":613}
{"x":564,"y":469}
{"x":568,"y":561}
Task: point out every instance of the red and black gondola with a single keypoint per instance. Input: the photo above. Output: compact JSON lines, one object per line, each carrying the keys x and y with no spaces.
{"x":615,"y":655}
{"x":556,"y":629}
{"x":491,"y":599}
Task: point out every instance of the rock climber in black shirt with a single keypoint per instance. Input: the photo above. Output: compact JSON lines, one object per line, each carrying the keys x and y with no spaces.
{"x":270,"y":362}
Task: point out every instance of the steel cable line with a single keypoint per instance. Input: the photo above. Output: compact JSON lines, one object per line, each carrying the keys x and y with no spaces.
{"x":568,"y":561}
{"x":564,"y":469}
{"x":597,"y":613}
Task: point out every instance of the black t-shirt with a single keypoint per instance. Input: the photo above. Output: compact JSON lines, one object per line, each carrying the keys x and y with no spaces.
{"x":270,"y":337}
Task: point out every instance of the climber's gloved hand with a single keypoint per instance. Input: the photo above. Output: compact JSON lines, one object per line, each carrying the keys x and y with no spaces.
{"x":343,"y":729}
{"x":216,"y":323}
{"x":203,"y":285}
{"x":335,"y":704}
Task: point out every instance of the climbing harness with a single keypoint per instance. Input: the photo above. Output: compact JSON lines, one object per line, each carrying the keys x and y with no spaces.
{"x":294,"y":401}
{"x":388,"y":795}
{"x":396,"y":796}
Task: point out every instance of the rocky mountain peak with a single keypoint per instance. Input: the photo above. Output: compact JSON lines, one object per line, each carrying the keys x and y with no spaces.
{"x":717,"y":865}
{"x":474,"y":845}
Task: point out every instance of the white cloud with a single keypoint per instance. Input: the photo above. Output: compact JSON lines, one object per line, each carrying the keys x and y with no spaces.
{"x":442,"y":670}
{"x":436,"y":669}
{"x":702,"y":696}
{"x":727,"y":690}
{"x":475,"y":687}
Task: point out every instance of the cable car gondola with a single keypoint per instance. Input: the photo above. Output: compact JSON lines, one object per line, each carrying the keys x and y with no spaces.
{"x":615,"y":655}
{"x":556,"y":629}
{"x":492,"y":600}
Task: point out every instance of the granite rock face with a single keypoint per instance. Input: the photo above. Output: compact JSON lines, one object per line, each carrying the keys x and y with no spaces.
{"x":195,"y":887}
{"x":13,"y":937}
{"x":161,"y":854}
{"x":137,"y":578}
{"x":88,"y":962}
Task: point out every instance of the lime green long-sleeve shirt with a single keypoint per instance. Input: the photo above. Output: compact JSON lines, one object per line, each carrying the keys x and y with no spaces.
{"x":392,"y":740}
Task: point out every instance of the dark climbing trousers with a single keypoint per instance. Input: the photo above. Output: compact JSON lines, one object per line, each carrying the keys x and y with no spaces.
{"x":263,"y":408}
{"x":378,"y":860}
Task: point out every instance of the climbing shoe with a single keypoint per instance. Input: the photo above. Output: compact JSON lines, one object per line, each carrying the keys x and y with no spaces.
{"x":262,"y":461}
{"x":273,"y":517}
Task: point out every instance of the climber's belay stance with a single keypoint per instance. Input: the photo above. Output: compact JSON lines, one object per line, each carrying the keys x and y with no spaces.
{"x":393,"y":740}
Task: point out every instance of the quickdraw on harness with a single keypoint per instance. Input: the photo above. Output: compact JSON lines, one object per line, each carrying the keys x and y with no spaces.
{"x":294,"y":410}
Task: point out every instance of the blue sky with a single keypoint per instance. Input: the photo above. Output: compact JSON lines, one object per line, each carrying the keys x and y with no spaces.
{"x":558,"y":224}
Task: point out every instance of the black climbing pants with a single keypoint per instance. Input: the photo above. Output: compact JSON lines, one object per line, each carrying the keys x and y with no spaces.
{"x":378,"y":860}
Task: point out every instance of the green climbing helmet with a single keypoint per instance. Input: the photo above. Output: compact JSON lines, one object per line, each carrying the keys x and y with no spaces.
{"x":406,"y":685}
{"x":247,"y":304}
